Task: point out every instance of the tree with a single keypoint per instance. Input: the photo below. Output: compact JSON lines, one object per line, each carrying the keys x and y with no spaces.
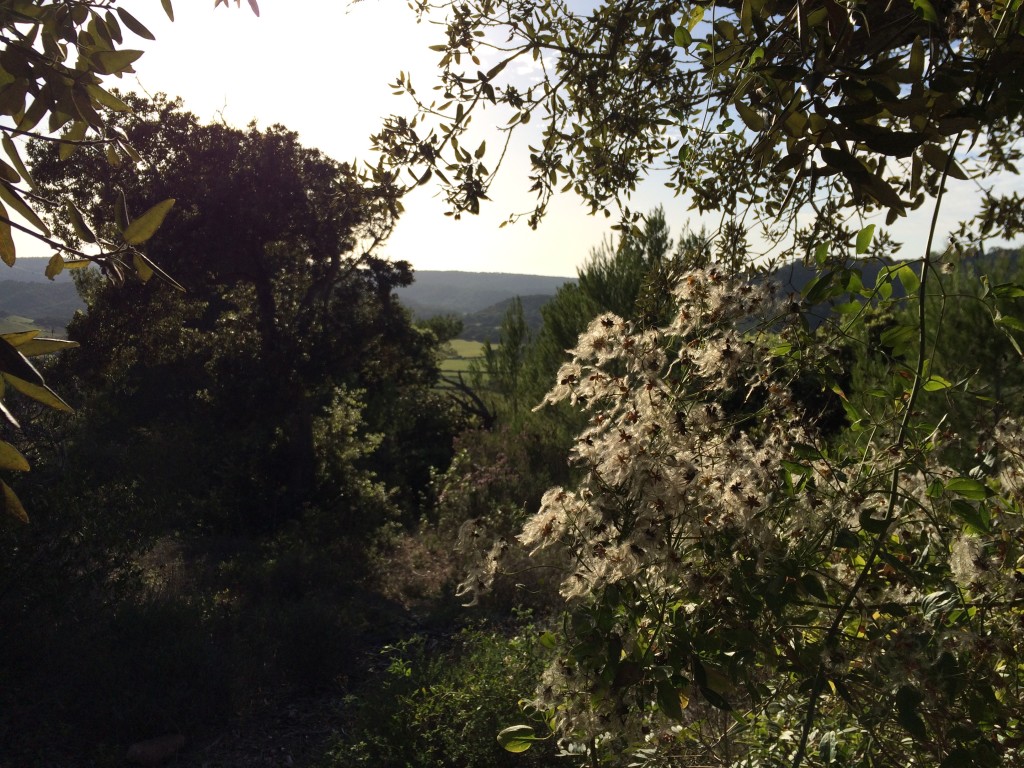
{"x":54,"y":60}
{"x":758,"y":111}
{"x":285,"y":304}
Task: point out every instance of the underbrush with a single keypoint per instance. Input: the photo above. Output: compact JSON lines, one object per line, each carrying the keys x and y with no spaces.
{"x":440,"y":702}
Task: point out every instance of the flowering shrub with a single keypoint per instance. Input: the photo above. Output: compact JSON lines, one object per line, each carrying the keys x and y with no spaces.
{"x":742,"y":590}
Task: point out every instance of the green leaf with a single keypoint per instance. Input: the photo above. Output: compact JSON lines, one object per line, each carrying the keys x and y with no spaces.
{"x":898,"y":337}
{"x":872,"y":524}
{"x":144,"y":227}
{"x":934,"y":383}
{"x":1008,"y":291}
{"x":671,"y":701}
{"x":864,"y":238}
{"x":751,"y":117}
{"x":134,"y":24}
{"x":975,"y":517}
{"x":107,"y":99}
{"x":43,"y":346}
{"x":682,"y":37}
{"x":939,"y":159}
{"x":78,"y":223}
{"x":12,"y":505}
{"x":14,"y":363}
{"x":168,"y":9}
{"x":969,"y":488}
{"x":907,"y":701}
{"x":19,"y":338}
{"x":517,"y":738}
{"x":926,"y":10}
{"x":38,"y":392}
{"x":11,"y":458}
{"x":548,"y":640}
{"x":54,"y":266}
{"x":19,"y":164}
{"x":10,"y":196}
{"x":114,"y":62}
{"x":1007,"y":321}
{"x":8,"y":252}
{"x":908,"y":277}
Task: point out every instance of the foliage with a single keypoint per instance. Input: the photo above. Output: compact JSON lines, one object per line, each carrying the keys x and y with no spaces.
{"x":846,"y":589}
{"x":54,"y":60}
{"x":755,"y":109}
{"x":841,"y":602}
{"x":273,"y":241}
{"x":441,"y":702}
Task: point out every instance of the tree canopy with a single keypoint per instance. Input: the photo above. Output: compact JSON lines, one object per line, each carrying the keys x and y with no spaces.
{"x":55,"y":59}
{"x":273,"y":242}
{"x":755,"y":109}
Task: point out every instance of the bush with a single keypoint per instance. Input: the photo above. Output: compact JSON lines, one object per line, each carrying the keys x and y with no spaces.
{"x":442,"y":703}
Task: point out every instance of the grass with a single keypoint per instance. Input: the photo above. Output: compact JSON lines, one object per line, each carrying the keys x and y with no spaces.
{"x":466,"y":349}
{"x":462,"y":354}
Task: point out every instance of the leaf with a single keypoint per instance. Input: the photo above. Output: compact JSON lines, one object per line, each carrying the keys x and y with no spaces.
{"x":938,"y":159}
{"x":78,"y":223}
{"x":11,"y":458}
{"x":144,"y":227}
{"x":1008,"y":321}
{"x":14,"y":363}
{"x":909,"y":279}
{"x":43,"y":346}
{"x":751,"y":117}
{"x":255,"y":7}
{"x":12,"y":505}
{"x":976,"y":518}
{"x":149,"y":266}
{"x":864,"y":238}
{"x":898,"y":337}
{"x":134,"y":24}
{"x":19,"y":338}
{"x":141,"y":267}
{"x":114,"y":62}
{"x":969,"y":488}
{"x":517,"y":738}
{"x":907,"y":714}
{"x":671,"y":701}
{"x":168,"y":9}
{"x":7,"y":249}
{"x":926,"y":10}
{"x":40,"y":393}
{"x":1008,"y":291}
{"x":936,"y":383}
{"x":10,"y":196}
{"x":12,"y":152}
{"x":107,"y":99}
{"x":54,"y":266}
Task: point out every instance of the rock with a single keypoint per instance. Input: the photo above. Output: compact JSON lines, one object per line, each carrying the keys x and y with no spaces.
{"x":155,"y":751}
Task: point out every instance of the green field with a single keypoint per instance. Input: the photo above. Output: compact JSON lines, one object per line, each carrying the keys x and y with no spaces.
{"x":466,"y":350}
{"x":462,"y":355}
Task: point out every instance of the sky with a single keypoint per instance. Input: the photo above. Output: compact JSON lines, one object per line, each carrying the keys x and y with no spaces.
{"x":323,"y":68}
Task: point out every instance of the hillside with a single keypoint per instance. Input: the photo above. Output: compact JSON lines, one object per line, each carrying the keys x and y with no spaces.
{"x":463,"y":293}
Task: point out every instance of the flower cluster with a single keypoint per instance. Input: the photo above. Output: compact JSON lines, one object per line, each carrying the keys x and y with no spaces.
{"x":718,"y":549}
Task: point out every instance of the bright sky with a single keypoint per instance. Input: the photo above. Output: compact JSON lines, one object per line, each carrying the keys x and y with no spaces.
{"x":322,"y":68}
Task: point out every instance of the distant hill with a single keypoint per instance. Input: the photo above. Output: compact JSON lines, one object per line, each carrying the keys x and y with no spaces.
{"x":463,"y":293}
{"x":44,"y":305}
{"x":485,"y":325}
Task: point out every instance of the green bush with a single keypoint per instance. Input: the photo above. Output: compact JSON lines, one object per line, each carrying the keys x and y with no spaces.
{"x":442,"y":703}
